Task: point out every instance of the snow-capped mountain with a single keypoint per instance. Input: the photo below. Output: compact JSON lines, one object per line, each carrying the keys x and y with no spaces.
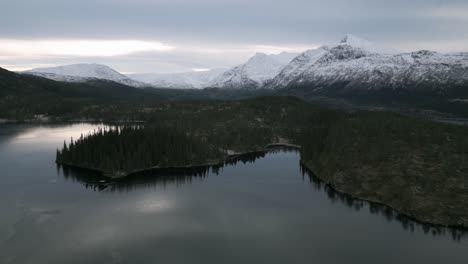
{"x":308,"y":58}
{"x":258,"y":70}
{"x":296,"y":67}
{"x":350,"y":65}
{"x":183,"y":80}
{"x":359,"y":65}
{"x":83,"y":73}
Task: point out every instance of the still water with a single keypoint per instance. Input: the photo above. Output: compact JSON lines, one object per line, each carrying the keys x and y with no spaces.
{"x":260,"y":210}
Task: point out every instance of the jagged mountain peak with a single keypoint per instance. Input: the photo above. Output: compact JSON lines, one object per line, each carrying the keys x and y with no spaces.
{"x":355,"y":68}
{"x":258,"y":70}
{"x":344,"y":52}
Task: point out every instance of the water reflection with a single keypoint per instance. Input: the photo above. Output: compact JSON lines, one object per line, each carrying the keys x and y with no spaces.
{"x":151,"y":179}
{"x":182,"y":176}
{"x":388,"y":213}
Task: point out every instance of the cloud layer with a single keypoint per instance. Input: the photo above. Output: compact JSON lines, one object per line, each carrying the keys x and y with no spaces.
{"x":178,"y":35}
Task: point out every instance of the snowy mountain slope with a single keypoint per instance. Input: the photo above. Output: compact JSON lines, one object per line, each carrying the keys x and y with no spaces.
{"x":283,"y":57}
{"x":308,"y":58}
{"x":360,"y":69}
{"x":258,"y":70}
{"x":352,"y":64}
{"x":296,"y":67}
{"x":184,"y":80}
{"x":83,"y":73}
{"x":359,"y":64}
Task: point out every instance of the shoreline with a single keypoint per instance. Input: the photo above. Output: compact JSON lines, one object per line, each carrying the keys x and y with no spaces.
{"x":222,"y":161}
{"x":66,"y":121}
{"x":403,"y":212}
{"x":277,"y":146}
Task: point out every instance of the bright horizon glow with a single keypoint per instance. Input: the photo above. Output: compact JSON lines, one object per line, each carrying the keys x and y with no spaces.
{"x":140,"y":56}
{"x":269,"y":49}
{"x":200,"y":70}
{"x":133,"y":56}
{"x":79,"y":48}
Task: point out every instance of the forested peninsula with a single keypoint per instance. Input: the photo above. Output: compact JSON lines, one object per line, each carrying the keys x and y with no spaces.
{"x":417,"y":167}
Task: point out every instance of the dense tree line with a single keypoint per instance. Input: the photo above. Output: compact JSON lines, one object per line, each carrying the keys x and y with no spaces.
{"x":188,"y":133}
{"x":123,"y":149}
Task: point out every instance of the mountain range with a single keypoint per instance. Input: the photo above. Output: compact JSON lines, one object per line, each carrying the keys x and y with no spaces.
{"x":253,"y":74}
{"x":354,"y":69}
{"x":362,"y":68}
{"x":354,"y":61}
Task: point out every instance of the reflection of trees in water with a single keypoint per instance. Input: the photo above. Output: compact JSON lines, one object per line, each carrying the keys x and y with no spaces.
{"x":387,"y":212}
{"x":151,"y":178}
{"x":181,"y":176}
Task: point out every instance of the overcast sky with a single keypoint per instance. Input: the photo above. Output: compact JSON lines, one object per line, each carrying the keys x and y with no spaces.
{"x":183,"y":35}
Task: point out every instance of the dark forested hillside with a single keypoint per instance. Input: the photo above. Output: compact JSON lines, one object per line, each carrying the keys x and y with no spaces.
{"x":449,"y":99}
{"x":23,"y":96}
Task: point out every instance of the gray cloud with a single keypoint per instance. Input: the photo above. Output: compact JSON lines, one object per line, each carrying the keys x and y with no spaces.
{"x":408,"y":25}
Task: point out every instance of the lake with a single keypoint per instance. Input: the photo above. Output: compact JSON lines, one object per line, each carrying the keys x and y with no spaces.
{"x":262,"y":209}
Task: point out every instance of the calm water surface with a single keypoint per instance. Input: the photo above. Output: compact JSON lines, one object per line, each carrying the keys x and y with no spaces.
{"x":266,"y":211}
